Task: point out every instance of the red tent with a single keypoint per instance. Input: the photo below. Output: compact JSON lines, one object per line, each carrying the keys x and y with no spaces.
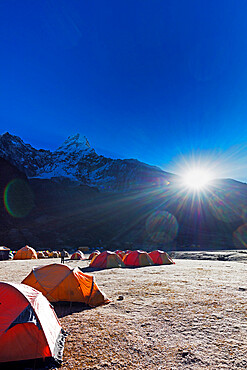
{"x":106,"y":260}
{"x":137,"y":258}
{"x":120,"y":253}
{"x":160,"y":258}
{"x":29,"y":328}
{"x":95,"y":253}
{"x":78,"y":255}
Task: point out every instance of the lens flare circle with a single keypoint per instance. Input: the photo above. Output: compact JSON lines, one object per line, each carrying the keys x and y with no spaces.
{"x":225,"y":206}
{"x":162,"y":227}
{"x":240,"y":237}
{"x":18,"y":198}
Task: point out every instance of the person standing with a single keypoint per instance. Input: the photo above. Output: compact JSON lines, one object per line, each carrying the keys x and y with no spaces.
{"x":62,"y":255}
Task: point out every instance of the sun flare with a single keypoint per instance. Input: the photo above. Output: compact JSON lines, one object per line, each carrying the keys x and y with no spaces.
{"x":197,"y":179}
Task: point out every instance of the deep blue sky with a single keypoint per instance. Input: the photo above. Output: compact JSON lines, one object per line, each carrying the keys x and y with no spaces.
{"x":155,"y":80}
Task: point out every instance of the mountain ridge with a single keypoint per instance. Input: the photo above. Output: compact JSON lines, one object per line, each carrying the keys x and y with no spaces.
{"x":77,"y":160}
{"x":142,"y":205}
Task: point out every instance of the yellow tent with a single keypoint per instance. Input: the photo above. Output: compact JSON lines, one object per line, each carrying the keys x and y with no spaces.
{"x":54,"y":254}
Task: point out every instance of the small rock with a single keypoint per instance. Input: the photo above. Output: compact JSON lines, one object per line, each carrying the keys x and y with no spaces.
{"x":120,"y":298}
{"x":145,"y":324}
{"x":185,"y":353}
{"x":241,"y":288}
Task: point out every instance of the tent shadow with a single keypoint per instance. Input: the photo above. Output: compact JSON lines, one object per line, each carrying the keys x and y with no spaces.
{"x":92,"y":269}
{"x":63,"y":309}
{"x":137,"y":267}
{"x":68,"y":261}
{"x":37,"y":364}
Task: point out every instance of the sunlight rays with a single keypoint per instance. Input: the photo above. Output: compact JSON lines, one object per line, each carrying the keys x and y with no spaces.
{"x":197,"y":179}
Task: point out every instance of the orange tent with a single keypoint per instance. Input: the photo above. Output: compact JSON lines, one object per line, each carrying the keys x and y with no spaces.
{"x":78,"y":256}
{"x":160,"y":258}
{"x":29,"y":328}
{"x":137,"y":258}
{"x":59,"y":282}
{"x":95,"y":253}
{"x":106,"y":260}
{"x":25,"y":253}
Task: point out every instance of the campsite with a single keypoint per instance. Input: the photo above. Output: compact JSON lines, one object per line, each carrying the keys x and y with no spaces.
{"x":123,"y":185}
{"x":187,"y":315}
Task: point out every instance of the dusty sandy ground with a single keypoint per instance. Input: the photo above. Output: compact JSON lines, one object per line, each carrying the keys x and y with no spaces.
{"x":191,"y":315}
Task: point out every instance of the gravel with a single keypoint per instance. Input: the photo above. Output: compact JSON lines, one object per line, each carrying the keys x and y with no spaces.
{"x":191,"y":315}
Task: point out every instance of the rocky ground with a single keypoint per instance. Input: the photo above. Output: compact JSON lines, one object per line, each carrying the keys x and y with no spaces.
{"x":191,"y":315}
{"x":229,"y":255}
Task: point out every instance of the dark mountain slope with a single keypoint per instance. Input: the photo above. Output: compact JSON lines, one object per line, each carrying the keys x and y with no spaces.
{"x":143,"y":205}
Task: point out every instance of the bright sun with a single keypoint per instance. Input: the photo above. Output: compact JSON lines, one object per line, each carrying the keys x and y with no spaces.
{"x":197,"y":179}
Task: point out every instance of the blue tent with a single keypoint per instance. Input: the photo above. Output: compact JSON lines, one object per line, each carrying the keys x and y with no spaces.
{"x":4,"y":253}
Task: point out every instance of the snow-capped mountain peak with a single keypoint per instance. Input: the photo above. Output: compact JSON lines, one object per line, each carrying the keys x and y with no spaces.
{"x":77,"y":161}
{"x":74,"y":143}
